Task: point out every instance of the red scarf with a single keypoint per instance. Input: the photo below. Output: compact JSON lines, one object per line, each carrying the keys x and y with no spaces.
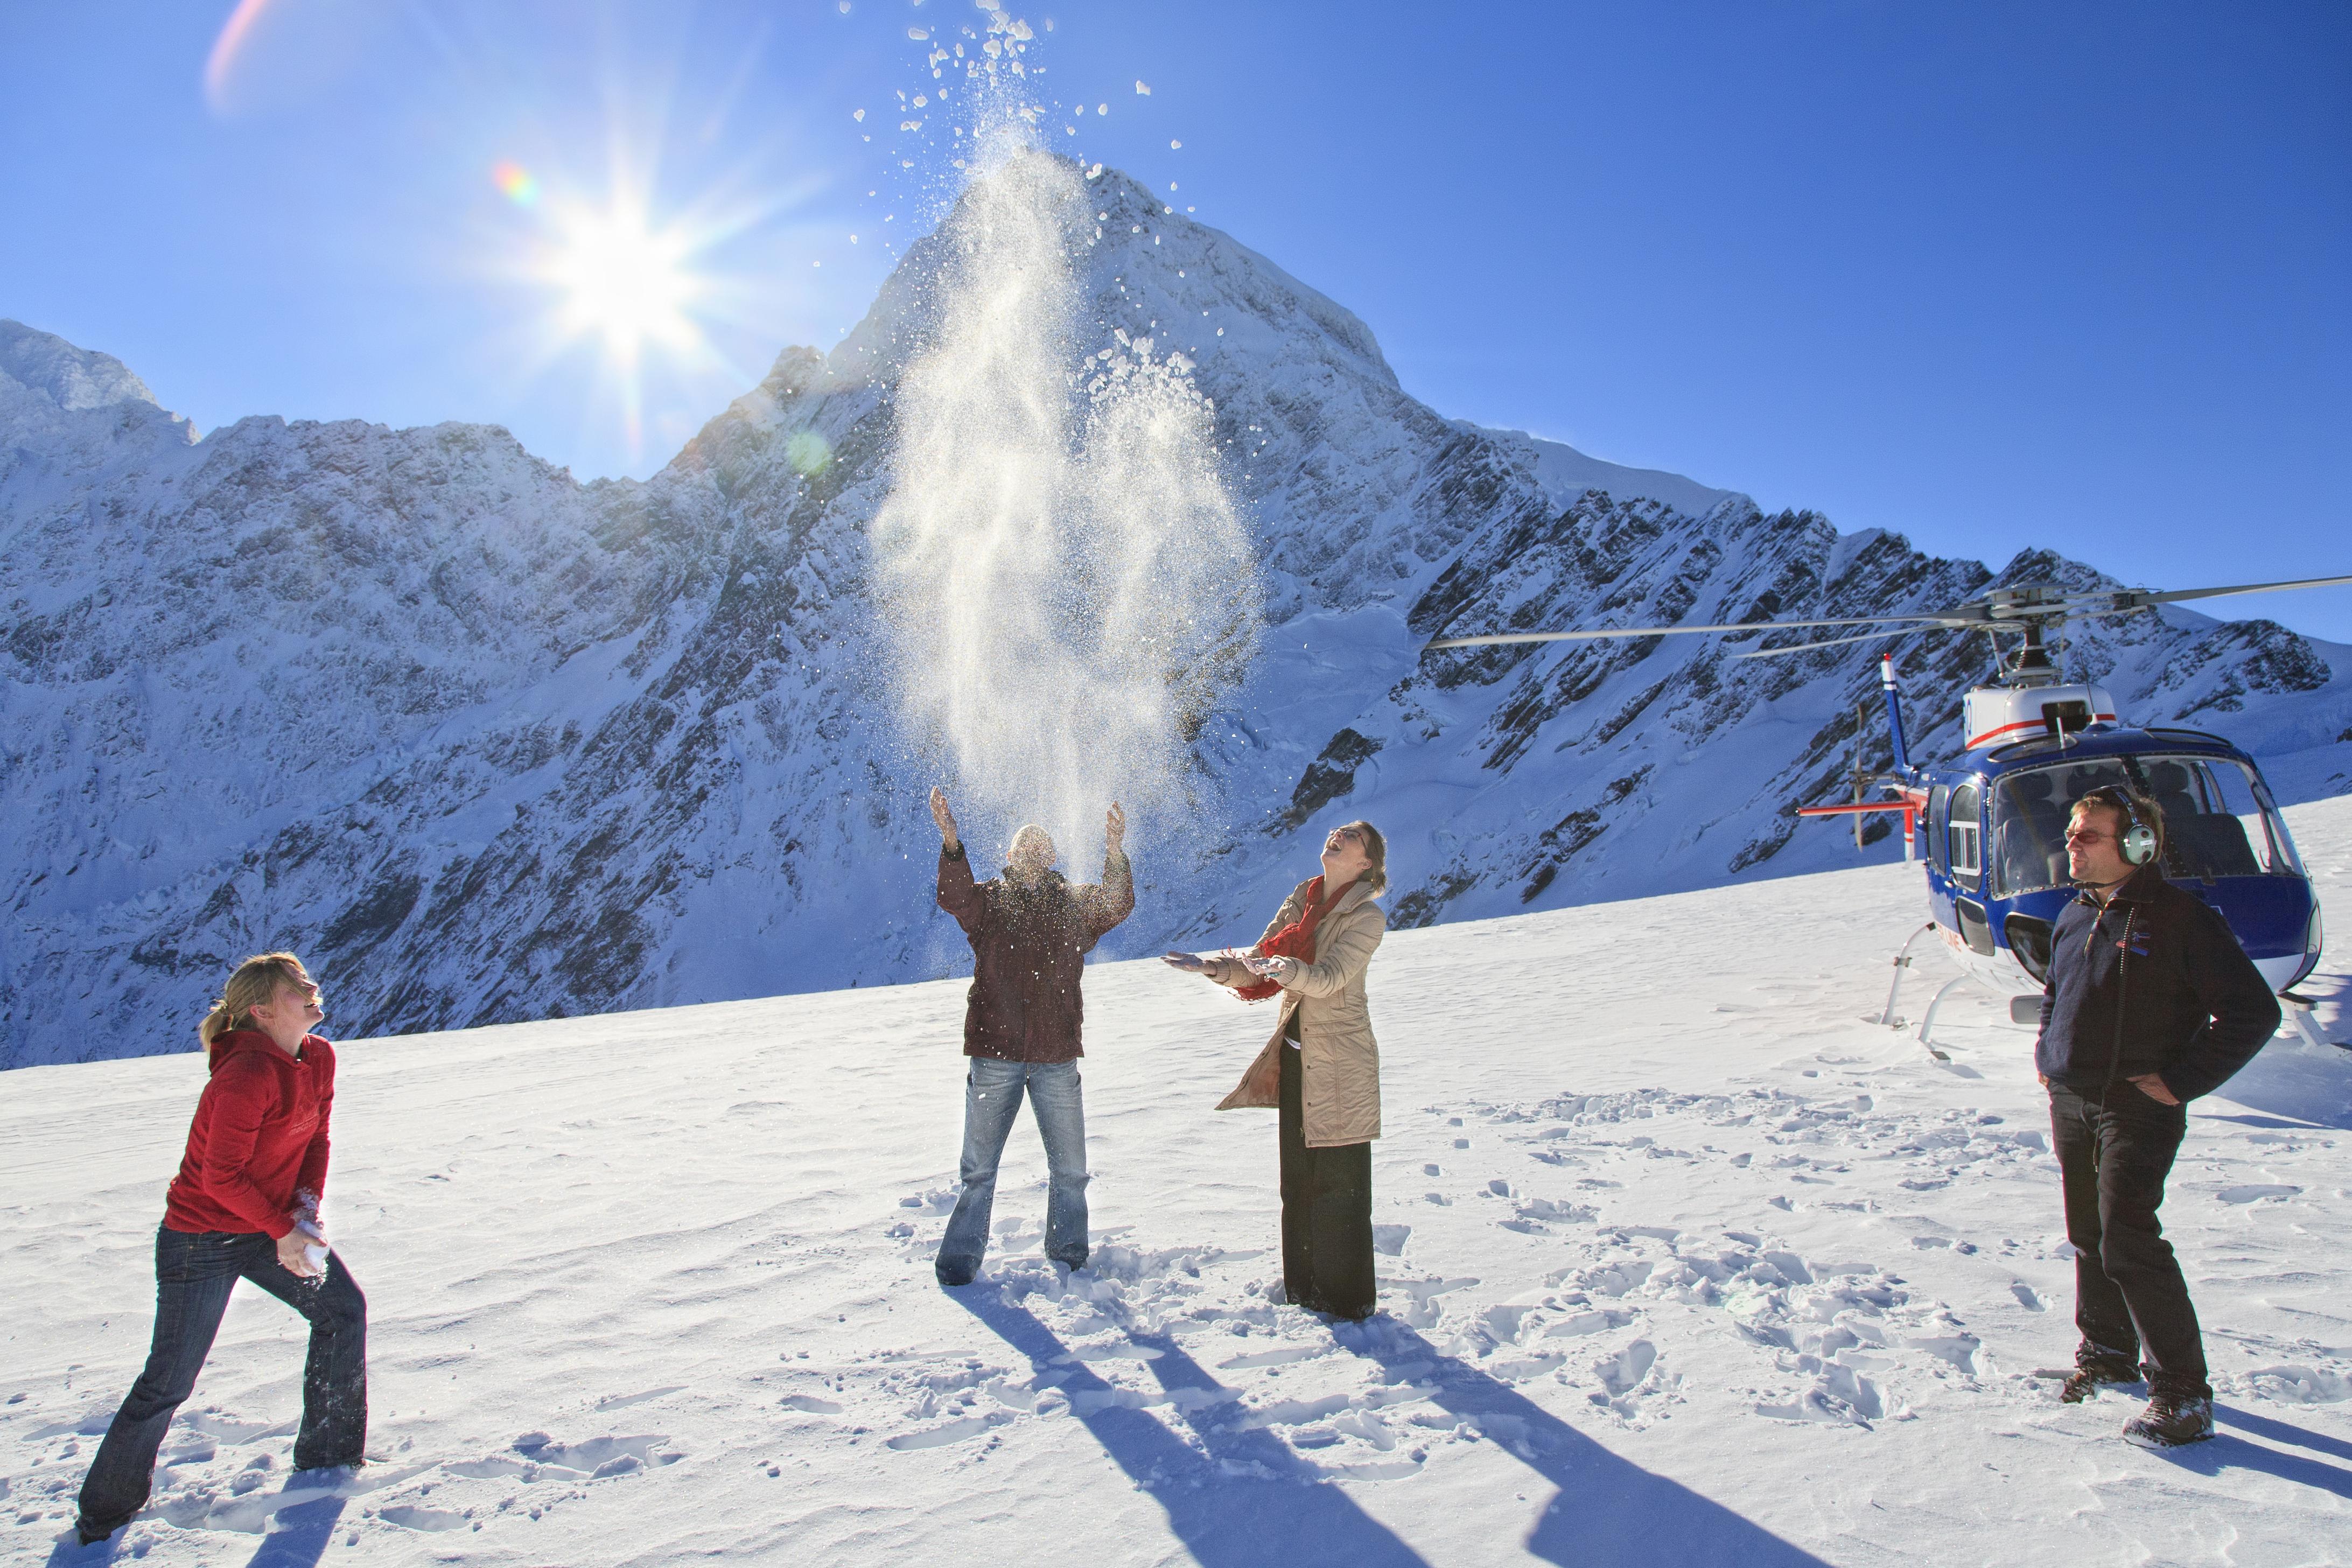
{"x":1296,"y":940}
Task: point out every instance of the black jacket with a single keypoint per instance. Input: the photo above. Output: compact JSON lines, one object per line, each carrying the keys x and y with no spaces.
{"x":2153,"y":982}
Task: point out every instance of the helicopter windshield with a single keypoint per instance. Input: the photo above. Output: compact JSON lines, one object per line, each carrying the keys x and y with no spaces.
{"x":2218,"y":819}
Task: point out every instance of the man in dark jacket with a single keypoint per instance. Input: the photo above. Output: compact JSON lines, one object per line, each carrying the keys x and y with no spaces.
{"x":2150,"y":1003}
{"x":1030,"y":932}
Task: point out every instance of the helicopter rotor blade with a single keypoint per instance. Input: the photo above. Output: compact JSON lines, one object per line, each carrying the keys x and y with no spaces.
{"x":2178,"y":593}
{"x":1832,"y":642}
{"x":1492,"y":639}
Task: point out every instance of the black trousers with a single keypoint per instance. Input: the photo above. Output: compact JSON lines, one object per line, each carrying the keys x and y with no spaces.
{"x":1326,"y":1213}
{"x":2129,"y":1297}
{"x":194,"y":1274}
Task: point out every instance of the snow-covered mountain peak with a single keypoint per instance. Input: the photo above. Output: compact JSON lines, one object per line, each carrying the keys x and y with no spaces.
{"x":69,"y":408}
{"x":71,"y":378}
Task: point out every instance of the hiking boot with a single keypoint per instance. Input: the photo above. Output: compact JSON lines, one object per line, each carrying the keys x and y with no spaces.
{"x":92,"y":1533}
{"x":2093,"y":1373}
{"x":2176,"y":1413}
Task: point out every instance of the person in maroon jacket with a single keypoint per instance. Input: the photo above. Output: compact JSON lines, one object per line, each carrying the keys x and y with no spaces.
{"x":1030,"y":932}
{"x":244,"y":1206}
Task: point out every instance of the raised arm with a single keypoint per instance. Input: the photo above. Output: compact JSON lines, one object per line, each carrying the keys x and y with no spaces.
{"x":1113,"y":898}
{"x":959,"y":894}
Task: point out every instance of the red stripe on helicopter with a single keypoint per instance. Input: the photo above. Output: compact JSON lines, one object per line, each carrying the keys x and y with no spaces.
{"x":2028,"y":724}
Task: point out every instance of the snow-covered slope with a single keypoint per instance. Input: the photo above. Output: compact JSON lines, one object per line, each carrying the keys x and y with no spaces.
{"x":488,"y":744}
{"x":1682,"y":1264}
{"x":1567,"y":474}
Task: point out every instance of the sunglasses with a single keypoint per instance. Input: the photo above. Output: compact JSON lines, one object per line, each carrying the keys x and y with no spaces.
{"x":1352,"y":836}
{"x":2086,"y":835}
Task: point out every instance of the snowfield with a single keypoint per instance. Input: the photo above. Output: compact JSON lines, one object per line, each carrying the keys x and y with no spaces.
{"x":1684,"y":1262}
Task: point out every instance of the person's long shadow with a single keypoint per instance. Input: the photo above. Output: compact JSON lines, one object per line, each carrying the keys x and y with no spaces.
{"x":1609,"y":1509}
{"x":1247,"y":1501}
{"x":298,"y":1541}
{"x":301,"y":1536}
{"x":2226,"y":1452}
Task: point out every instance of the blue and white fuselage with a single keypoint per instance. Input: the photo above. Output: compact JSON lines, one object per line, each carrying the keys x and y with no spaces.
{"x":1995,"y":818}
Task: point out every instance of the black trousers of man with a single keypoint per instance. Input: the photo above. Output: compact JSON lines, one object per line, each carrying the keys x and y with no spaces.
{"x":2130,"y":1301}
{"x":1326,"y":1213}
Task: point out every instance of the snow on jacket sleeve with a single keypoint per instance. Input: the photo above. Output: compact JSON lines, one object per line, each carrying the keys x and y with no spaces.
{"x":959,"y":894}
{"x":312,"y":1177}
{"x":2241,"y":1011}
{"x":244,"y":1092}
{"x":1339,"y":963}
{"x":1112,"y":899}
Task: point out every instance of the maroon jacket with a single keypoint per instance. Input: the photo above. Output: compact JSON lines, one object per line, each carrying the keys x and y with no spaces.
{"x":259,"y":1136}
{"x":1028,"y":956}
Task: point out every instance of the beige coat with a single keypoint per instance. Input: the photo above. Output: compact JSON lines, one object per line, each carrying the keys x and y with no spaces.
{"x":1340,"y":1062}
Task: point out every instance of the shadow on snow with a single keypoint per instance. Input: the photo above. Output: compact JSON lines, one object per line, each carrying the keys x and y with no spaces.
{"x":1243,"y":1498}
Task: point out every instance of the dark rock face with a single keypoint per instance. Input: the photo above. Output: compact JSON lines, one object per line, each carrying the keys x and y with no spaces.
{"x":486,"y":744}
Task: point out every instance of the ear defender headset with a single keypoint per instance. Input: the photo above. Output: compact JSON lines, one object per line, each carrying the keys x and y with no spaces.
{"x":2137,"y":840}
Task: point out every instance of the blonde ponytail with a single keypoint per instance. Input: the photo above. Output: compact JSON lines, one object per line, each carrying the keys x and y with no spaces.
{"x":254,"y":985}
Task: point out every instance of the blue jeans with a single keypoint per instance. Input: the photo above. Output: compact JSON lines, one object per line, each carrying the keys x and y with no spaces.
{"x":194,"y":1273}
{"x":992,"y":1099}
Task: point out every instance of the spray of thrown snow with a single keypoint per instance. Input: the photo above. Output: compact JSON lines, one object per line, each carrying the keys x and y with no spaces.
{"x":1067,"y":583}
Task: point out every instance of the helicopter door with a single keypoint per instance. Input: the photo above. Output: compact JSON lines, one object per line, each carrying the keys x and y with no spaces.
{"x":1965,"y":843}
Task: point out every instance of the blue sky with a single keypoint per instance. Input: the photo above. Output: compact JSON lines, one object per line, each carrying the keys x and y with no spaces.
{"x":1988,"y":275}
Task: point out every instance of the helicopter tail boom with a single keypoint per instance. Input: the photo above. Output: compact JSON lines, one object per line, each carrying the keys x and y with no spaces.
{"x":1894,"y":711}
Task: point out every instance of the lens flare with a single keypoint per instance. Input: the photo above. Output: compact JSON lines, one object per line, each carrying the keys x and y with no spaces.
{"x":233,"y":35}
{"x":808,"y":452}
{"x":515,"y":183}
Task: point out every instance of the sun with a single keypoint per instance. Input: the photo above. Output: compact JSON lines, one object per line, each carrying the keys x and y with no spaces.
{"x":624,"y":280}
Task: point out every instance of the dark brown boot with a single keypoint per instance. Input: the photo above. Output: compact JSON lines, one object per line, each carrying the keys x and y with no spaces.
{"x":2094,"y":1372}
{"x":2179,"y":1411}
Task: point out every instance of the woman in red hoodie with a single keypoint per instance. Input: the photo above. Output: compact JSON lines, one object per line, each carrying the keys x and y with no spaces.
{"x":246,"y":1206}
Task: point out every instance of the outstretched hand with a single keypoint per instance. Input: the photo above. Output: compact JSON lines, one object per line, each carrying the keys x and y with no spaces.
{"x":944,"y":817}
{"x":1190,"y":963}
{"x":1115,"y":828}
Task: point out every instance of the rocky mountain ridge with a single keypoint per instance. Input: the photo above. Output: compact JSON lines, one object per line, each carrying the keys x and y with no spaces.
{"x":488,"y":744}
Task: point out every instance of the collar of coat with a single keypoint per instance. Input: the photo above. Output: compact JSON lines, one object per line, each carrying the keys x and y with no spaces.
{"x":2136,"y":889}
{"x":1359,"y":893}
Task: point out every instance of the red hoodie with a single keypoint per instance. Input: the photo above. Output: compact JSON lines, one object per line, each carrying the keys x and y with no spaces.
{"x":260,"y":1134}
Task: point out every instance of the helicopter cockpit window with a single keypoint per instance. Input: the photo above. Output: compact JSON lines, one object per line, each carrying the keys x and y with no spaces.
{"x":1939,"y":817}
{"x":2217,"y":823}
{"x":1966,"y":859}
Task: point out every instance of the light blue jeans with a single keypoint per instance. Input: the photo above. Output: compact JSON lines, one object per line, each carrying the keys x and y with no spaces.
{"x":992,"y":1099}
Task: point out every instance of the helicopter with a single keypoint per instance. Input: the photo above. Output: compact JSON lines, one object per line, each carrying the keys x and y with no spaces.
{"x":1994,"y":818}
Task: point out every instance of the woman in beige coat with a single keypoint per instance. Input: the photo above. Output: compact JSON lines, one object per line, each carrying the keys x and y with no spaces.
{"x":1321,"y":1066}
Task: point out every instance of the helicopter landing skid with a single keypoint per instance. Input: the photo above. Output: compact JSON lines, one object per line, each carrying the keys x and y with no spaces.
{"x":1929,"y":1022}
{"x":2298,"y":1013}
{"x":1888,"y":1018}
